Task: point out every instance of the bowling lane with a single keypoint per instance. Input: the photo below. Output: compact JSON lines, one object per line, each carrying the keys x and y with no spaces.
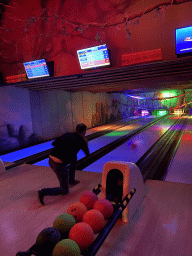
{"x":19,"y":154}
{"x":126,"y":152}
{"x":110,"y":126}
{"x":108,"y":138}
{"x":180,"y":169}
{"x":93,"y":144}
{"x":22,"y":153}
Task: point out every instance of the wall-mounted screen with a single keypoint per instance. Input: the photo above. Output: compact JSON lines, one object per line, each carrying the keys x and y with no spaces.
{"x":36,"y":68}
{"x":94,"y":57}
{"x":183,"y":41}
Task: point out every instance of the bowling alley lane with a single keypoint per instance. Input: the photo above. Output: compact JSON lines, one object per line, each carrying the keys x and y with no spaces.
{"x":19,"y":154}
{"x":110,"y":125}
{"x":114,"y":135}
{"x":129,"y":152}
{"x":108,"y":138}
{"x":180,"y":169}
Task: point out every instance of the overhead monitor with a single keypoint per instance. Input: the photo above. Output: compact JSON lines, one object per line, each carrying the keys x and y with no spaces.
{"x":183,"y":41}
{"x":94,"y":57}
{"x":36,"y":69}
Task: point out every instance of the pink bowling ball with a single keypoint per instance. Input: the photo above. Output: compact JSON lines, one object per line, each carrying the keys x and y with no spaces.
{"x":105,"y":207}
{"x":88,"y":198}
{"x":133,"y":145}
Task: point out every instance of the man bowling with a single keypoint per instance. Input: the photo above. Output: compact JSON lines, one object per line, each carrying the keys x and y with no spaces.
{"x":63,"y":160}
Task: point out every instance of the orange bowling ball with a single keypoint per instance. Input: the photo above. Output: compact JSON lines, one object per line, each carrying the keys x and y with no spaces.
{"x":77,"y":210}
{"x":82,"y":234}
{"x":95,"y":219}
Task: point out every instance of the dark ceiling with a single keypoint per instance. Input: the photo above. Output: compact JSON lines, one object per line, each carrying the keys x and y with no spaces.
{"x":147,"y":77}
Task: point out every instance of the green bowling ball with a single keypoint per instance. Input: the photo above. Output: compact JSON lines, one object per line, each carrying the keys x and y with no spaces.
{"x":66,"y":247}
{"x":63,"y":223}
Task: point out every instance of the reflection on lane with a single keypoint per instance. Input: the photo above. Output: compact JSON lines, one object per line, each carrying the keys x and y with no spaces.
{"x":19,"y":154}
{"x":22,"y":153}
{"x":127,"y":152}
{"x":107,"y":138}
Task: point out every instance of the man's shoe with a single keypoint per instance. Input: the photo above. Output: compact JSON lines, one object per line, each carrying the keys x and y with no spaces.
{"x":74,"y":183}
{"x":65,"y":193}
{"x":41,"y":196}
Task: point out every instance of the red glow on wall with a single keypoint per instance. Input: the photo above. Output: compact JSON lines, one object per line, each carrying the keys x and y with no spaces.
{"x":38,"y":29}
{"x":141,"y":57}
{"x":187,"y":137}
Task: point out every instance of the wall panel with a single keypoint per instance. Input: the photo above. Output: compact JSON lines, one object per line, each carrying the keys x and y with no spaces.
{"x":50,"y":115}
{"x":64,"y":111}
{"x":77,"y":108}
{"x":87,"y":108}
{"x":15,"y":107}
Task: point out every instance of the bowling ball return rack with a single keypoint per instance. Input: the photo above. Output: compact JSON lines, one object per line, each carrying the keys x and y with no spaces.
{"x":93,"y":249}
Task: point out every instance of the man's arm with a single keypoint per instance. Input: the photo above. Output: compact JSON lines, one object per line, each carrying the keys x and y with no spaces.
{"x":86,"y":140}
{"x":56,"y":141}
{"x":85,"y":146}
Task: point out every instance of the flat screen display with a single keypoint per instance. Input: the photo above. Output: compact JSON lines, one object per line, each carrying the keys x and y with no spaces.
{"x":183,"y":39}
{"x":93,"y":57}
{"x":36,"y":68}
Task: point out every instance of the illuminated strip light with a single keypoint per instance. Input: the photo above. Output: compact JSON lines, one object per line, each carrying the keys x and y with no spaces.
{"x":188,"y":39}
{"x":178,"y":111}
{"x":186,"y":49}
{"x":146,"y":98}
{"x":136,"y":97}
{"x":144,"y":112}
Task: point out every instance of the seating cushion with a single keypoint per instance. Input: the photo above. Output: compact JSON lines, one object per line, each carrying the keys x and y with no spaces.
{"x":12,"y":131}
{"x":3,"y":130}
{"x":7,"y":143}
{"x":24,"y":134}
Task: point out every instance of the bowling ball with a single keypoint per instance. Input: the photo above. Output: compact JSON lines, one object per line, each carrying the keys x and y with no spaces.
{"x":133,"y":145}
{"x":66,"y":247}
{"x":77,"y":210}
{"x":105,"y":207}
{"x":48,"y":235}
{"x":137,"y":143}
{"x":82,"y":234}
{"x":63,"y":223}
{"x":47,"y":239}
{"x":88,"y":198}
{"x":95,"y":219}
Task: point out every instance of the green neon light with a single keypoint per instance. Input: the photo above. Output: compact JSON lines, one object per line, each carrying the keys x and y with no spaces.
{"x":159,"y":112}
{"x":116,"y":133}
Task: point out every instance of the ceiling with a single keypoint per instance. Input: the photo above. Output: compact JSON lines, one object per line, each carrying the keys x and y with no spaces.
{"x":175,"y":74}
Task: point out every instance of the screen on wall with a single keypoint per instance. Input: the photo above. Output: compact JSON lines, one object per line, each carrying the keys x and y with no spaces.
{"x":183,"y":40}
{"x":93,"y":57}
{"x":36,"y":68}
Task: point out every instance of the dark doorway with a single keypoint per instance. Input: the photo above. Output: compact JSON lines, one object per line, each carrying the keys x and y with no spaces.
{"x":114,"y":185}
